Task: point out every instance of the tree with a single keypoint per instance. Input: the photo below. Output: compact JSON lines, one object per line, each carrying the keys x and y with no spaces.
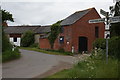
{"x":6,"y":16}
{"x":115,"y":27}
{"x":27,"y":39}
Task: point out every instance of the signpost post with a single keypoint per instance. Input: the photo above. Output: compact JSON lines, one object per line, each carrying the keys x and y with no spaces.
{"x":108,"y":20}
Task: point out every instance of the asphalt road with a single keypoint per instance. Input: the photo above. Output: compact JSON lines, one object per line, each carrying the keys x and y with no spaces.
{"x":32,"y":64}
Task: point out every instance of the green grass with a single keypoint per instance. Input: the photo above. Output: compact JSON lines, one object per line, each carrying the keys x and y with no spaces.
{"x":91,"y":68}
{"x":53,"y":52}
{"x":10,"y":55}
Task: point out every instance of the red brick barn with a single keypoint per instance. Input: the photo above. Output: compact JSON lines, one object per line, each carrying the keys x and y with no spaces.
{"x":77,"y":34}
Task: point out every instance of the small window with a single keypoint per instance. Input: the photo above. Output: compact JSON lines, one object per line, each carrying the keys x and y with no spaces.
{"x":15,"y":39}
{"x":97,"y":32}
{"x":61,"y":39}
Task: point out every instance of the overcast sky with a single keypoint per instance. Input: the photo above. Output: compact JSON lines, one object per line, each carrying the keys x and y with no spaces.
{"x":46,"y":12}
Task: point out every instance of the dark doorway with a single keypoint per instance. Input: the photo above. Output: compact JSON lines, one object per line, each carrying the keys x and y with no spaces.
{"x":83,"y":44}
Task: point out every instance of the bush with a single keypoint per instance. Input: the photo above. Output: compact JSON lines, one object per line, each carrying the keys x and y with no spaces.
{"x":99,"y":43}
{"x":61,"y":50}
{"x":5,"y":43}
{"x":98,"y":54}
{"x":27,"y":39}
{"x":35,"y":45}
{"x":10,"y":55}
{"x":113,"y":46}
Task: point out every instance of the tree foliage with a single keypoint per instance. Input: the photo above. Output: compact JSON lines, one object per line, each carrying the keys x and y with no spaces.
{"x":115,"y":27}
{"x":5,"y":43}
{"x":27,"y":39}
{"x":7,"y":16}
{"x":55,"y":30}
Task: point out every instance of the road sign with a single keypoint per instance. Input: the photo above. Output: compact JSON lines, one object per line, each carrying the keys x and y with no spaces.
{"x":97,"y":20}
{"x":114,"y":19}
{"x":104,"y":12}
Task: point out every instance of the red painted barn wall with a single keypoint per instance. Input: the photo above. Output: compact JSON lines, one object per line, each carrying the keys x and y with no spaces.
{"x":44,"y":43}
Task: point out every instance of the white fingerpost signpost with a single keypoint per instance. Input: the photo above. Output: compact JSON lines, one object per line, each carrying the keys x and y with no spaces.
{"x":107,"y":20}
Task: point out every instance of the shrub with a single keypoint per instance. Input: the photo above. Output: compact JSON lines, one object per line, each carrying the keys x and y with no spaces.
{"x":5,"y":43}
{"x":10,"y":55}
{"x":27,"y":39}
{"x":99,"y":43}
{"x":98,"y":54}
{"x":114,"y":47}
{"x":61,"y":50}
{"x":35,"y":45}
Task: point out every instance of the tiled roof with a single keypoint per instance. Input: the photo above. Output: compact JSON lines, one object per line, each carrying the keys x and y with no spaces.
{"x":74,"y":17}
{"x":22,"y":29}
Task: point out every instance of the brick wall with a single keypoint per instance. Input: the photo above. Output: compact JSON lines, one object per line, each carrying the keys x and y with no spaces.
{"x":81,"y":28}
{"x":44,"y":43}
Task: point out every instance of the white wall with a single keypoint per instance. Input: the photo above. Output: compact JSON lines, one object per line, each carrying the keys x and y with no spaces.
{"x":15,"y":43}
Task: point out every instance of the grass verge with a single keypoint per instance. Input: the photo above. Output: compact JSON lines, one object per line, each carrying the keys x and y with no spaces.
{"x":91,"y":68}
{"x":53,"y":52}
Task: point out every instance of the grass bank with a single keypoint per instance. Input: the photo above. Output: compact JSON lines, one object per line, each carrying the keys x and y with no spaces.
{"x":10,"y":55}
{"x":53,"y":52}
{"x":91,"y":69}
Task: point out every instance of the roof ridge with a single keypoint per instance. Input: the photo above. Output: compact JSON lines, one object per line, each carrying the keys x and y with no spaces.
{"x":85,"y":9}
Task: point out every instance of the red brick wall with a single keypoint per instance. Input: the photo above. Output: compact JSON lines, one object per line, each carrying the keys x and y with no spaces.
{"x":44,"y":43}
{"x":81,"y":28}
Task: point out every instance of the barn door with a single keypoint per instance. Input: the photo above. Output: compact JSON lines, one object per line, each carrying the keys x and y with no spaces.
{"x":83,"y":44}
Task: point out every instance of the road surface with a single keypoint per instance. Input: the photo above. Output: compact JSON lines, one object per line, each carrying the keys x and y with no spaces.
{"x":33,"y":64}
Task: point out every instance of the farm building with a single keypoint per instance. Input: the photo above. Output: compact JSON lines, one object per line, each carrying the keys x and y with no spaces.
{"x":77,"y":34}
{"x":15,"y":33}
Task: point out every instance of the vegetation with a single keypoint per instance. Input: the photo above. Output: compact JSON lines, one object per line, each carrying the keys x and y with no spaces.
{"x":93,"y":67}
{"x":5,"y":43}
{"x":6,"y":16}
{"x":115,"y":28}
{"x":7,"y":53}
{"x":27,"y":39}
{"x":54,"y":52}
{"x":114,"y":48}
{"x":55,"y":30}
{"x":99,"y":43}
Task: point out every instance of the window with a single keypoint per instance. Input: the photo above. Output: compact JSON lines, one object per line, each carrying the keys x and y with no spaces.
{"x":96,"y":32}
{"x":61,"y":39}
{"x":15,"y":39}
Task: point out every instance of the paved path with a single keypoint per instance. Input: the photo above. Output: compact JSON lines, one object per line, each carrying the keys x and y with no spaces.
{"x":33,"y":64}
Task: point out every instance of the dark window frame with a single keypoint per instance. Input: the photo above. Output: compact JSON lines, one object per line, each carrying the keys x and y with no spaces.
{"x":15,"y":39}
{"x":96,"y":31}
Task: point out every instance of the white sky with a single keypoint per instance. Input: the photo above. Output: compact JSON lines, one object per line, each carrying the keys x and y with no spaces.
{"x":46,"y":12}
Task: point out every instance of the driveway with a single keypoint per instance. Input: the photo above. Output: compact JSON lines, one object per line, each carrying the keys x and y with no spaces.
{"x":35,"y":64}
